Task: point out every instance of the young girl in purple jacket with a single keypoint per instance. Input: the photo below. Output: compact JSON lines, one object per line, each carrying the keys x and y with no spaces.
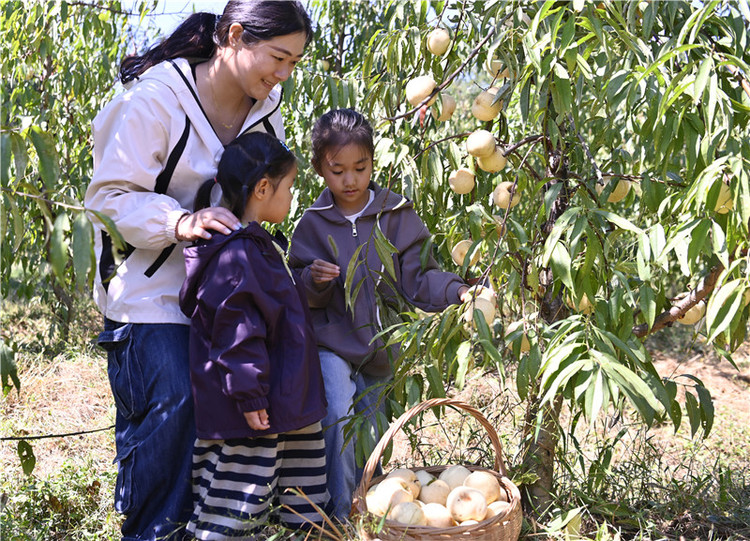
{"x":254,"y":367}
{"x":331,"y":231}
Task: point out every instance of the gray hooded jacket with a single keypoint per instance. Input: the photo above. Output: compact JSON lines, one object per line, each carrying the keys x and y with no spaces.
{"x":427,"y":287}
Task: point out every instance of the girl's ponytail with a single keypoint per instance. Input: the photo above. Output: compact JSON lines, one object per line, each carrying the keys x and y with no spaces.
{"x":194,"y":38}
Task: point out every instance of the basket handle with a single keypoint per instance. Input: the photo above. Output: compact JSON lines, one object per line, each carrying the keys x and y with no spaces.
{"x":397,"y":425}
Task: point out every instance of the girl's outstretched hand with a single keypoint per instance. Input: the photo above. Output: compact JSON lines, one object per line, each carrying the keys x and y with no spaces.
{"x":258,"y":420}
{"x":196,"y":225}
{"x":323,"y":271}
{"x":464,"y":293}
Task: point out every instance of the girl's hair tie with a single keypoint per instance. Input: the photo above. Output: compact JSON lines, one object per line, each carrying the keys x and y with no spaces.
{"x":216,"y":180}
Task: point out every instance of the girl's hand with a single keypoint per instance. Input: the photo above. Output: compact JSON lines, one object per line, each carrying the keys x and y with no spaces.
{"x":323,"y":271}
{"x":196,"y":225}
{"x":464,"y":293}
{"x":258,"y":420}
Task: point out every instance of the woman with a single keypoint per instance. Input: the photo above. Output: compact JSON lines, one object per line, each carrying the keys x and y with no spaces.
{"x":211,"y":80}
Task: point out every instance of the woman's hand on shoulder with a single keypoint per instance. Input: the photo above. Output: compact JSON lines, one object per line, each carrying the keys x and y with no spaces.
{"x":197,"y":225}
{"x":257,"y":420}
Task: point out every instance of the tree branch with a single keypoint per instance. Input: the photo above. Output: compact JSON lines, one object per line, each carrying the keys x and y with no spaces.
{"x":524,"y":141}
{"x":678,"y":309}
{"x":586,"y":148}
{"x":443,"y":140}
{"x":40,"y":198}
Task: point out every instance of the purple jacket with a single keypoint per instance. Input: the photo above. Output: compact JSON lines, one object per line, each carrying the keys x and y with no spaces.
{"x":425,"y":286}
{"x":251,"y":341}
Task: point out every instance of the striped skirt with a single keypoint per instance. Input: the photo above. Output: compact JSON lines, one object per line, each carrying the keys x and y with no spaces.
{"x":239,"y":484}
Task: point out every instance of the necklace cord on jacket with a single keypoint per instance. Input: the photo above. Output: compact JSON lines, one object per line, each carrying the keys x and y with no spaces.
{"x":237,"y":114}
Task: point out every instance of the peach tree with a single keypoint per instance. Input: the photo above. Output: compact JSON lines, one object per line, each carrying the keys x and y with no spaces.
{"x":621,"y":134}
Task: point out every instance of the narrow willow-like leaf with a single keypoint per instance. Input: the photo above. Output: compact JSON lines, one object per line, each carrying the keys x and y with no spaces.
{"x":49,"y":160}
{"x":58,"y":251}
{"x":8,"y":369}
{"x":83,"y":252}
{"x":26,"y":456}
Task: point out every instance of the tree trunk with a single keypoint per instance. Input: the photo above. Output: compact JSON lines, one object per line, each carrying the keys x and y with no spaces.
{"x":541,"y":430}
{"x":539,"y":445}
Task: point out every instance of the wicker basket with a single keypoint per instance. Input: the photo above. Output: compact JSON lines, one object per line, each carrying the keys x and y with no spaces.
{"x":503,"y":527}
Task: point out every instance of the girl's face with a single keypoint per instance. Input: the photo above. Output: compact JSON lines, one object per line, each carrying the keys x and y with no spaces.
{"x":276,"y":207}
{"x":260,"y":66}
{"x":347,"y":171}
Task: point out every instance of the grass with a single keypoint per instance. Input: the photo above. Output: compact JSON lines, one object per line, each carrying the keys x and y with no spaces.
{"x":615,"y":481}
{"x":73,"y":503}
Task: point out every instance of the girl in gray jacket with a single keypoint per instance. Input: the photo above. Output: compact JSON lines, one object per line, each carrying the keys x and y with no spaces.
{"x":348,"y":211}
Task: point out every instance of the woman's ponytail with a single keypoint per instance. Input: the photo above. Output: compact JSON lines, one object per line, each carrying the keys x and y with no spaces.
{"x":203,"y":195}
{"x":194,"y":38}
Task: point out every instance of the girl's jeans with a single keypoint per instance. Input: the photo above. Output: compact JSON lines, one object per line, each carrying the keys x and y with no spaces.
{"x":344,"y":387}
{"x":155,"y":428}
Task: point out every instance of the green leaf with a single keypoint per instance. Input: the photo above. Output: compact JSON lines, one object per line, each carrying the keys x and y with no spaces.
{"x":719,"y":243}
{"x":49,"y":160}
{"x":83,"y":253}
{"x":434,"y":378}
{"x":19,"y":226}
{"x":118,"y":241}
{"x":643,"y":258}
{"x":698,"y":240}
{"x":561,"y":265}
{"x":701,"y":79}
{"x":5,"y":155}
{"x":463,"y":357}
{"x":619,"y":221}
{"x":647,"y":303}
{"x":707,"y":409}
{"x":694,"y":413}
{"x":563,"y":92}
{"x":8,"y":369}
{"x":385,"y":251}
{"x":558,"y":229}
{"x":26,"y":455}
{"x":58,"y":251}
{"x":334,"y":248}
{"x":20,"y":155}
{"x":637,"y":391}
{"x":723,"y":306}
{"x":596,"y":396}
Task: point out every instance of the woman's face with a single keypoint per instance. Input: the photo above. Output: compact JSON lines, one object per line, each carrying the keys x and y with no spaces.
{"x":260,"y":66}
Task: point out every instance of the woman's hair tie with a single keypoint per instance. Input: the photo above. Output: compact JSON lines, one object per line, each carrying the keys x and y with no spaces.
{"x":216,"y":180}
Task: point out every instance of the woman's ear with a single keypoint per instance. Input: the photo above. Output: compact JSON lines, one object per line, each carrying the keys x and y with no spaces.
{"x":262,"y":188}
{"x":234,"y":35}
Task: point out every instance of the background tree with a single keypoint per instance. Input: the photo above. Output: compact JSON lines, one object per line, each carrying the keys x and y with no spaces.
{"x":61,"y":60}
{"x":646,"y":98}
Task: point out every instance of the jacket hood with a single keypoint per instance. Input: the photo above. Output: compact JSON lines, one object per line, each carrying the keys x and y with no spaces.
{"x":385,"y":200}
{"x":200,"y":254}
{"x":177,"y":76}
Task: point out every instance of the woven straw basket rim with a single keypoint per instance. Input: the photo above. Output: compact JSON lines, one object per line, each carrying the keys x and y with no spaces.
{"x":505,"y":526}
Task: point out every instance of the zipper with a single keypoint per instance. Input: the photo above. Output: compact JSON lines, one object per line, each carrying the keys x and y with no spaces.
{"x":354,"y":229}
